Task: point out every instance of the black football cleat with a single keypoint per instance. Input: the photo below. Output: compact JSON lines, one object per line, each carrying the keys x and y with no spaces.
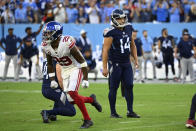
{"x":86,"y":124}
{"x":115,"y":116}
{"x":52,"y":117}
{"x":132,"y":115}
{"x":96,"y":103}
{"x":44,"y":116}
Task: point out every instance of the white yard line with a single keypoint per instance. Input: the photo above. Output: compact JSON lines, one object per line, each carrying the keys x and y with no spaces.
{"x":20,"y":91}
{"x":125,"y":122}
{"x":152,"y":126}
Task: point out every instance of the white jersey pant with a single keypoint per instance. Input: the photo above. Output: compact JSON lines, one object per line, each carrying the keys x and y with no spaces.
{"x":7,"y":62}
{"x":71,"y":79}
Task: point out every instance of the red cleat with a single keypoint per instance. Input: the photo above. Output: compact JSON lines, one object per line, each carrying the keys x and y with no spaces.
{"x":191,"y":124}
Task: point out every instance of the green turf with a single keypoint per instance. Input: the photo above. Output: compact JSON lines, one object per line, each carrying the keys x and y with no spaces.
{"x":163,"y":107}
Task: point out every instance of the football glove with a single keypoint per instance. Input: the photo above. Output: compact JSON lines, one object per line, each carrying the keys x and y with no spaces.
{"x":85,"y":84}
{"x":53,"y":84}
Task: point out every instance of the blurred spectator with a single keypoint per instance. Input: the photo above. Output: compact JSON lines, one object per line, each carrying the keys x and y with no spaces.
{"x":135,"y":13}
{"x":127,"y":12}
{"x":24,"y":3}
{"x":60,"y":14}
{"x":49,"y":14}
{"x":20,"y":14}
{"x":82,"y":16}
{"x":83,"y":43}
{"x":7,"y":17}
{"x":161,"y":8}
{"x":191,"y":17}
{"x":72,"y":13}
{"x":29,"y":54}
{"x":148,"y":48}
{"x":30,"y":15}
{"x":10,"y":49}
{"x":166,"y":46}
{"x":185,"y":48}
{"x":175,"y":12}
{"x":93,"y":13}
{"x":109,"y":8}
{"x":102,"y":12}
{"x":145,"y":12}
{"x":32,"y":35}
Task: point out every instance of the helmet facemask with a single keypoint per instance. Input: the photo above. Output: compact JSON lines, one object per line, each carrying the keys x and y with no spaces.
{"x":115,"y":17}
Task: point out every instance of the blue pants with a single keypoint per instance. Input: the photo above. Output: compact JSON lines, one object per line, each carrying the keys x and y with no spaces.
{"x":59,"y":108}
{"x":120,"y":72}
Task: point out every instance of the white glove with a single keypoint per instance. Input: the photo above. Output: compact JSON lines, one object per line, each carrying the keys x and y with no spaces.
{"x":85,"y":84}
{"x":53,"y":84}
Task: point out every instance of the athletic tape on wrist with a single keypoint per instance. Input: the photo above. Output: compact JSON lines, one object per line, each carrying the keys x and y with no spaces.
{"x":51,"y":74}
{"x":84,"y":64}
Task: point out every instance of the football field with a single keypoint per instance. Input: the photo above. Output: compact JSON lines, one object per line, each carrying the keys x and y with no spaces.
{"x":163,"y":107}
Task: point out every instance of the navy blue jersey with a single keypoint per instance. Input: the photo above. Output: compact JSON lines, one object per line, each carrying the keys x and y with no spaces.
{"x":46,"y":79}
{"x":166,"y":45}
{"x":120,"y":49}
{"x":28,"y":51}
{"x":11,"y":44}
{"x":32,"y":37}
{"x":185,"y":48}
{"x":138,"y":44}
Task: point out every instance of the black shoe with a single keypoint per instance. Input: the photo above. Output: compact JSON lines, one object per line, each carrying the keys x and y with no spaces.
{"x":115,"y":116}
{"x":44,"y":116}
{"x":96,"y":103}
{"x":132,"y":115}
{"x":86,"y":124}
{"x":52,"y":117}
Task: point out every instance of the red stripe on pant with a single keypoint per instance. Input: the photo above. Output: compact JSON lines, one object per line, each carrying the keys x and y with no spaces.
{"x":79,"y":80}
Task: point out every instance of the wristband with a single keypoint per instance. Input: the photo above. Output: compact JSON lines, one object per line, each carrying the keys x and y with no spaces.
{"x":84,"y":64}
{"x":51,"y":74}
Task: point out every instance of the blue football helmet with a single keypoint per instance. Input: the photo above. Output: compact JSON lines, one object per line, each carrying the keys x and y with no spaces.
{"x":118,"y":14}
{"x":52,"y":31}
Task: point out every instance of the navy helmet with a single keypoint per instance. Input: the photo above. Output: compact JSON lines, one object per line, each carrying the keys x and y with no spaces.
{"x":118,"y":14}
{"x":52,"y":31}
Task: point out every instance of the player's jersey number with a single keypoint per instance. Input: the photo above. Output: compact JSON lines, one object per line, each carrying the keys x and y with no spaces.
{"x":64,"y":61}
{"x":124,"y":46}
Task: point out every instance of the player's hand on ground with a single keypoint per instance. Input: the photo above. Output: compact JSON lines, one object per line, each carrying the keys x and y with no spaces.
{"x":105,"y":72}
{"x":85,"y":84}
{"x":53,"y":84}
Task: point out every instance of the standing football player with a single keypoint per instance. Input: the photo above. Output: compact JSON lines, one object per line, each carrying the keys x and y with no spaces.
{"x":166,"y":45}
{"x":61,"y":104}
{"x":117,"y":48}
{"x":191,"y":123}
{"x":63,"y":50}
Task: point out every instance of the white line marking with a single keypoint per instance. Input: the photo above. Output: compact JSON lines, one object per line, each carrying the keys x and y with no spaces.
{"x":159,"y":125}
{"x":20,"y":91}
{"x":124,"y":122}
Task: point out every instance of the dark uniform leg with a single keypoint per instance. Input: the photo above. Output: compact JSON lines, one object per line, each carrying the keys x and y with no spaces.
{"x":114,"y":81}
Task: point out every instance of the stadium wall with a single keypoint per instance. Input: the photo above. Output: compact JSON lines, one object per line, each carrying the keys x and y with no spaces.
{"x":95,"y":34}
